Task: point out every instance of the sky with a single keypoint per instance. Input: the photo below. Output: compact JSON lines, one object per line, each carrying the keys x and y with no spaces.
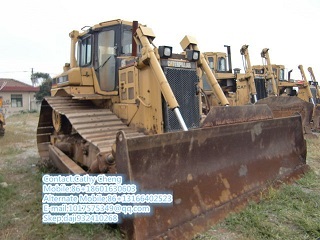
{"x":35,"y":33}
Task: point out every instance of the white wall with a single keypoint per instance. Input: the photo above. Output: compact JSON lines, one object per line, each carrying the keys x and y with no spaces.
{"x":28,"y":102}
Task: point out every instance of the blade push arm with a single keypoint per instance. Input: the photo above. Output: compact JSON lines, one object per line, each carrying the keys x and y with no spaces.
{"x":270,"y":73}
{"x":315,"y":81}
{"x":249,"y":72}
{"x":303,"y":75}
{"x":145,"y":36}
{"x":190,"y":43}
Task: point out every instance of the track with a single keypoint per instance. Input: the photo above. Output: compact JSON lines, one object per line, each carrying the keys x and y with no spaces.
{"x":97,"y":126}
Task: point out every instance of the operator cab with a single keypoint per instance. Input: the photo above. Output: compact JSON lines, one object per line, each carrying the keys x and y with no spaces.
{"x":103,"y":49}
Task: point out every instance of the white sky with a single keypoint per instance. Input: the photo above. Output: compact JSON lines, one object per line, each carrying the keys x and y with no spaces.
{"x":35,"y":33}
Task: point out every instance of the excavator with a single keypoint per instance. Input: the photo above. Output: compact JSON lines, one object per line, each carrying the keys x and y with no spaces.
{"x":239,"y":88}
{"x":284,"y":97}
{"x":125,"y":106}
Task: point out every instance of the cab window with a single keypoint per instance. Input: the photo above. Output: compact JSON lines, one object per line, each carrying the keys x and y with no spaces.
{"x":211,"y":63}
{"x":281,"y":77}
{"x":106,"y":60}
{"x":222,"y":64}
{"x":126,"y":42}
{"x":85,"y":51}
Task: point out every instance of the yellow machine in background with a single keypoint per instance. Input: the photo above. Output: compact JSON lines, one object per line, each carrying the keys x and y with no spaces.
{"x":2,"y":118}
{"x":315,"y":93}
{"x":307,"y":96}
{"x":284,"y":97}
{"x":276,"y":82}
{"x":2,"y":115}
{"x":316,"y":90}
{"x":125,"y":106}
{"x":239,"y":88}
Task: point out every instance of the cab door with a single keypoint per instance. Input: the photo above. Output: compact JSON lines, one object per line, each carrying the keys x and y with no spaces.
{"x":105,"y":59}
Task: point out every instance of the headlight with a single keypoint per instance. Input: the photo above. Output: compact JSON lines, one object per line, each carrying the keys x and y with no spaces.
{"x":165,"y":51}
{"x":193,"y":55}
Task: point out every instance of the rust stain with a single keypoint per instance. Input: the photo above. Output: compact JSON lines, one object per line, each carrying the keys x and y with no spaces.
{"x":225,"y":194}
{"x":195,"y":210}
{"x":224,"y":181}
{"x":198,"y":194}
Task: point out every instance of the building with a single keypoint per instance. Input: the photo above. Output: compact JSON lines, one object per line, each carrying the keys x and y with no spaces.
{"x":17,"y":96}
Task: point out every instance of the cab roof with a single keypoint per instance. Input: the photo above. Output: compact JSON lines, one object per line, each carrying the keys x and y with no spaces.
{"x":107,"y":24}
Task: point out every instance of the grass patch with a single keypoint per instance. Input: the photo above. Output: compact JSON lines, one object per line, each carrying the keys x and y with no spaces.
{"x":21,"y":200}
{"x":291,"y":212}
{"x":20,"y":134}
{"x":10,"y":150}
{"x":6,"y":193}
{"x":21,"y":214}
{"x":313,"y":156}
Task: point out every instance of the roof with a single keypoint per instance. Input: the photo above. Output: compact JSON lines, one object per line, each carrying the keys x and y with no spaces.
{"x":16,"y":86}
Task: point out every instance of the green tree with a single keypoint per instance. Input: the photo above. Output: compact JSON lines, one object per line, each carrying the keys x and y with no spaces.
{"x":45,"y":86}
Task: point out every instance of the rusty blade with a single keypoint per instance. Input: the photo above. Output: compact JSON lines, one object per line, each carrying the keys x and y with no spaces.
{"x":236,"y":114}
{"x":285,"y":106}
{"x":316,"y":118}
{"x":211,"y":171}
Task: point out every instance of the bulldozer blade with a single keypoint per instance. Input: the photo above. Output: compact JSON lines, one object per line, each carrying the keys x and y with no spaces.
{"x":236,"y":114}
{"x":210,"y":171}
{"x":316,"y":118}
{"x":284,"y":106}
{"x":63,"y":162}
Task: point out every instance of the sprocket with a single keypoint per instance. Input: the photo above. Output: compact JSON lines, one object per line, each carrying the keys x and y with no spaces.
{"x":56,"y":120}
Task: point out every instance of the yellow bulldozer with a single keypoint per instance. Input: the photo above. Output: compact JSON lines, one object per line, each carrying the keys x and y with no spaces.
{"x":315,"y":96}
{"x":316,"y":89}
{"x":239,"y":88}
{"x":285,"y":97}
{"x":2,"y":112}
{"x":125,"y":106}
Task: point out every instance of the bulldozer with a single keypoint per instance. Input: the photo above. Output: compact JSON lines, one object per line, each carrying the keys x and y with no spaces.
{"x":2,"y":112}
{"x":2,"y":118}
{"x":125,"y":106}
{"x":285,"y":97}
{"x":315,"y":96}
{"x":239,"y":88}
{"x":315,"y":90}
